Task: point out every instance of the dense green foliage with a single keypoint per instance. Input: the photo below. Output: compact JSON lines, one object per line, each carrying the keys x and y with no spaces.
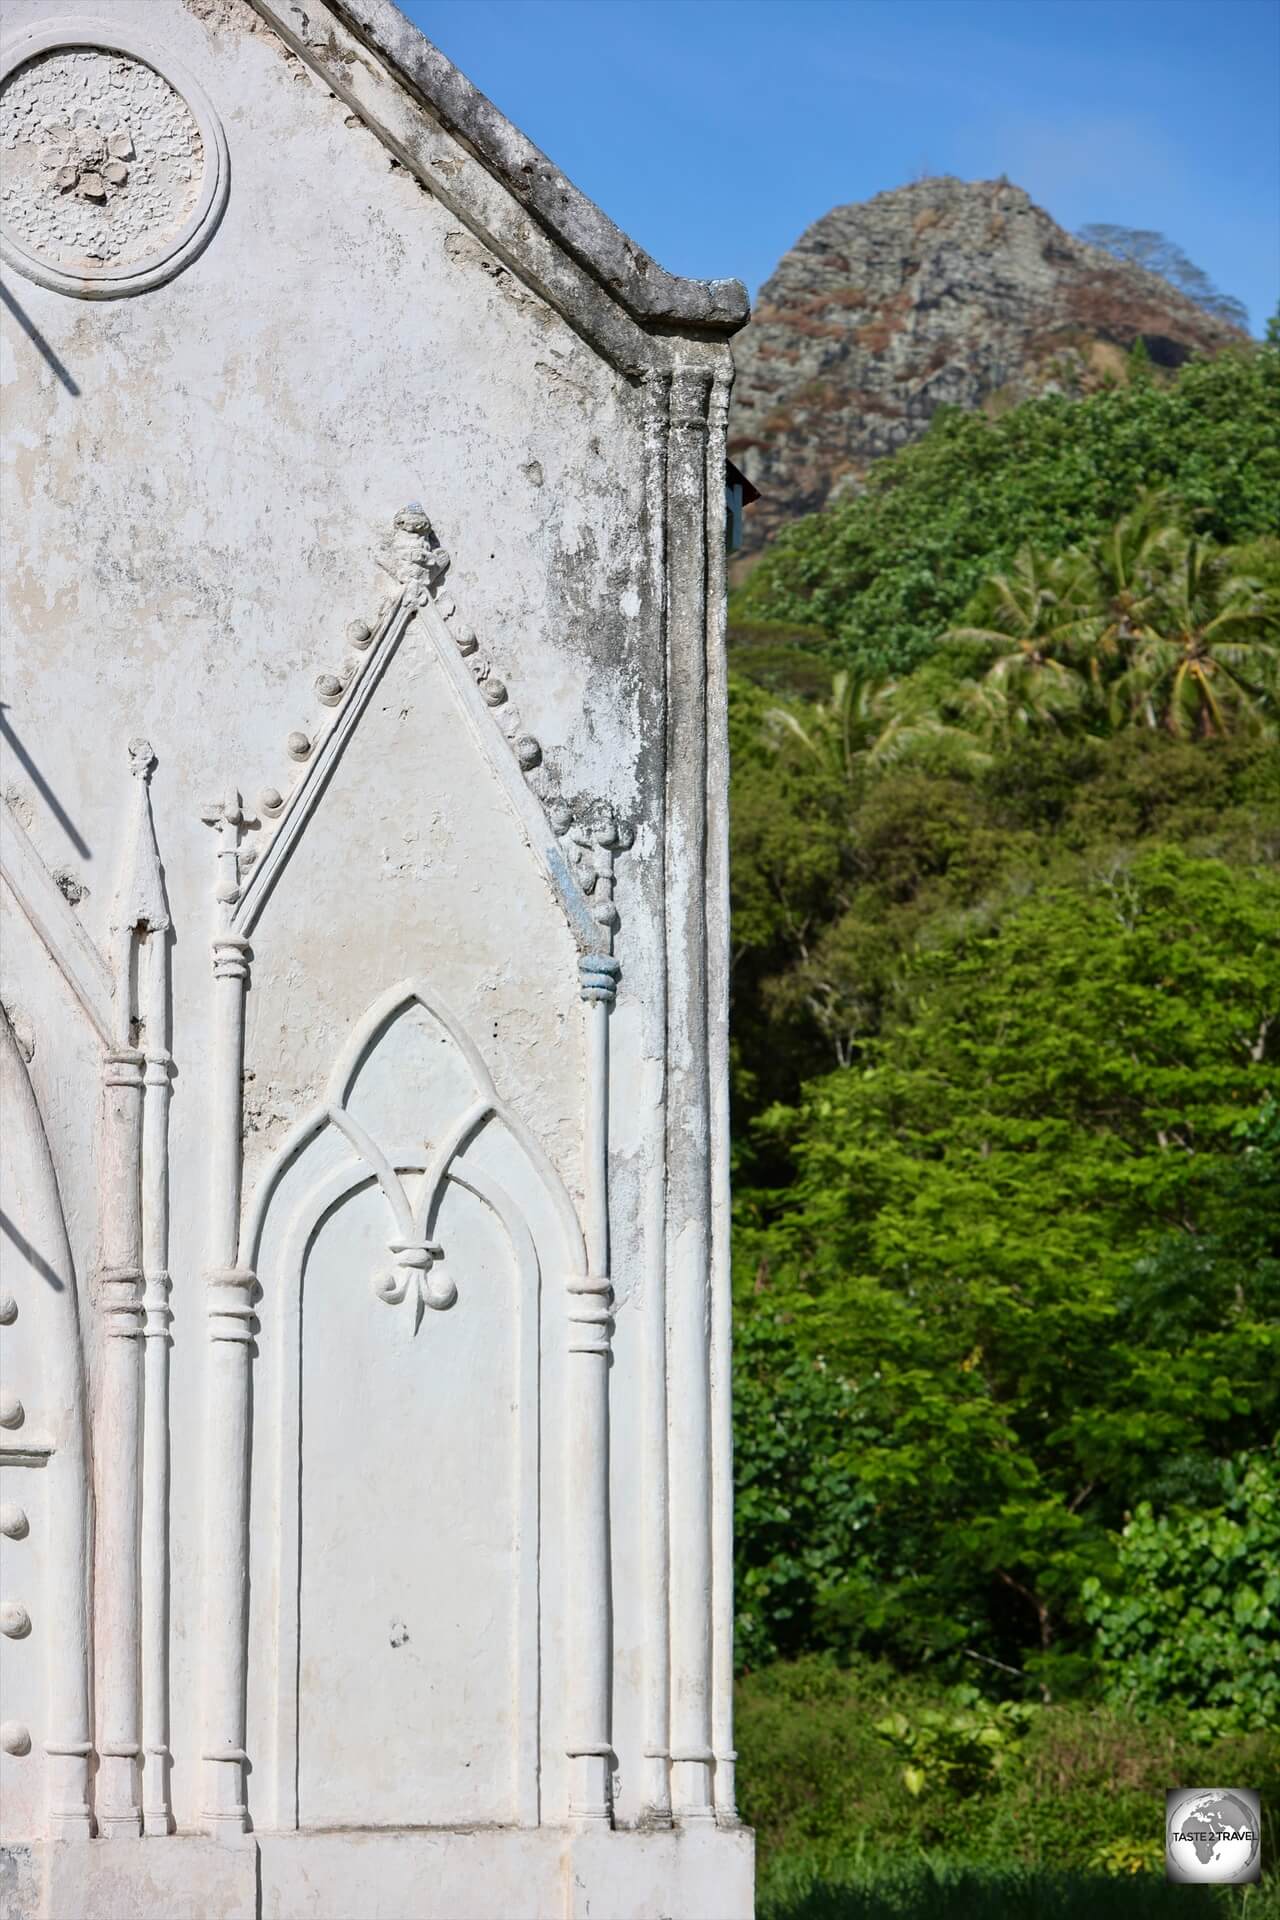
{"x":884,"y":572}
{"x":1192,"y":1609}
{"x":1146,"y":626}
{"x":1069,"y":1824}
{"x":982,"y":1242}
{"x":1007,"y":1155}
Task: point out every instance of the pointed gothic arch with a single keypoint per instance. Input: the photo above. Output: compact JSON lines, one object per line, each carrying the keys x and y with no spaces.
{"x":414,"y":1191}
{"x":331,"y":1110}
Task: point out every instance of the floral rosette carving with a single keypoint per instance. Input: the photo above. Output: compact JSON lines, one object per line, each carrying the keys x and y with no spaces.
{"x":88,"y":156}
{"x":101,"y":159}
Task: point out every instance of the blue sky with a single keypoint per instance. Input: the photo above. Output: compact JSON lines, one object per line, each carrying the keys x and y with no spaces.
{"x":715,"y":131}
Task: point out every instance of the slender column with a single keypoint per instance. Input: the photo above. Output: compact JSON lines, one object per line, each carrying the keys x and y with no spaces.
{"x":231,"y":1325}
{"x":688,"y":1188}
{"x":654,"y":1518}
{"x":590,"y":1327}
{"x":229,"y":1300}
{"x":116,"y":1453}
{"x":717,"y":912}
{"x":157,"y":1815}
{"x":140,"y":909}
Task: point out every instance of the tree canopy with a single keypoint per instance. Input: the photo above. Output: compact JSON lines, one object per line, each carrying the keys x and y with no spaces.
{"x":985,"y":1255}
{"x":1144,"y":247}
{"x":1007,"y":1054}
{"x":883,"y":572}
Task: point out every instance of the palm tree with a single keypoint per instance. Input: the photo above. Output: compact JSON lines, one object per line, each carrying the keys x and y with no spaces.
{"x":870,"y":723}
{"x":1126,"y":565}
{"x":1206,"y":660}
{"x":1042,"y":628}
{"x":844,"y":732}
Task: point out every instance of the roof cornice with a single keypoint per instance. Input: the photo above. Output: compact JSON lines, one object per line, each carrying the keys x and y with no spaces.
{"x":361,"y":47}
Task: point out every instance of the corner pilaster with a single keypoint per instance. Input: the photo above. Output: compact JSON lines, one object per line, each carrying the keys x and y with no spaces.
{"x":688,"y":1225}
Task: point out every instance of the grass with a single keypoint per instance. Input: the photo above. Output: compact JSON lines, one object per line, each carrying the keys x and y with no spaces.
{"x":793,"y":1889}
{"x":1070,"y":1829}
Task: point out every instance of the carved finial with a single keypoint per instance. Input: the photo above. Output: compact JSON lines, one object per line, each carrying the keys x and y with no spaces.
{"x":528,"y":753}
{"x":591,"y":850}
{"x":141,"y":758}
{"x":271,"y":800}
{"x":299,"y":746}
{"x":140,"y":898}
{"x":229,"y":818}
{"x":329,"y":689}
{"x":359,"y":634}
{"x":413,"y":556}
{"x":609,"y":837}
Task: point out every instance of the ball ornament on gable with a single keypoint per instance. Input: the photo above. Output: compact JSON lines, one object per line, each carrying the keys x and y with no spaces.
{"x":15,"y":1621}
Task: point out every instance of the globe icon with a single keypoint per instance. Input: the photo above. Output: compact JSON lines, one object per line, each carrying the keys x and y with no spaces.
{"x":1213,"y":1835}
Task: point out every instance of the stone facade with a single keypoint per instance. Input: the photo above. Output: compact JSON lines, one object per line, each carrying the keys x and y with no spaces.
{"x":365,"y":1476}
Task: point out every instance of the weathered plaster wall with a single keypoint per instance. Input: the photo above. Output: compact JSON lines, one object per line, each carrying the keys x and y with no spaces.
{"x":196,"y":489}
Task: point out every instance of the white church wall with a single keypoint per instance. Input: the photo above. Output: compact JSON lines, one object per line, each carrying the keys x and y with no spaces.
{"x":361,"y":643}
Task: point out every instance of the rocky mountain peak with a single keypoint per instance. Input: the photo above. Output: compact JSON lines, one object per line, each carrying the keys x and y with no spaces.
{"x":942,"y":293}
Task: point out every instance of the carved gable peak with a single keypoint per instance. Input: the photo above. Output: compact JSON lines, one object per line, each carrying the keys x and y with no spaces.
{"x":577,"y":844}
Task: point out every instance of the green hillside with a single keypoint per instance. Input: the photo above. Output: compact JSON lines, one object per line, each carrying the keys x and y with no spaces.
{"x":1006,"y":823}
{"x":884,"y":572}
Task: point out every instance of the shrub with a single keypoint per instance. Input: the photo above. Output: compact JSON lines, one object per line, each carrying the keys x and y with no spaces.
{"x":1072,"y":1827}
{"x":1192,"y":1612}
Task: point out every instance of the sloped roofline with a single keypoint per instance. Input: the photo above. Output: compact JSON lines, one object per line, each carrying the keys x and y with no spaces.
{"x":657,"y":300}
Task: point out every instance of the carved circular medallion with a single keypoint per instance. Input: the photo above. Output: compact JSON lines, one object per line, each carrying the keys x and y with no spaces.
{"x":113,"y":164}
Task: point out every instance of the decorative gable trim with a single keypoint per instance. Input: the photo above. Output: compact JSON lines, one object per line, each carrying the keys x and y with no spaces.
{"x":577,"y":854}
